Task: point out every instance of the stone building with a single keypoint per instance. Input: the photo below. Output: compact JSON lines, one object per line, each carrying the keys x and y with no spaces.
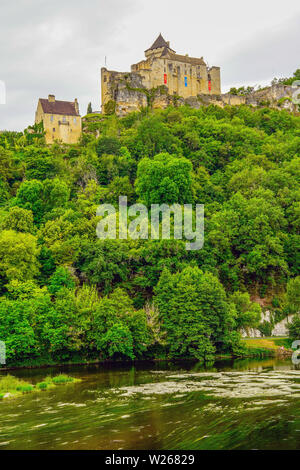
{"x":61,"y":120}
{"x":162,"y":72}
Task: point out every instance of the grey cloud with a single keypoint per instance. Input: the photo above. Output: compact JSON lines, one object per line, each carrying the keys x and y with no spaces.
{"x":273,"y":53}
{"x":55,"y":47}
{"x":59,"y":46}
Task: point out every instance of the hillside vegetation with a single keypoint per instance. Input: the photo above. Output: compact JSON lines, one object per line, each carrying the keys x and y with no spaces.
{"x":65,"y":294}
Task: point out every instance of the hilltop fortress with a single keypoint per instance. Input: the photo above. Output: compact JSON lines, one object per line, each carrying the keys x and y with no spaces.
{"x":166,"y":78}
{"x":163,"y":76}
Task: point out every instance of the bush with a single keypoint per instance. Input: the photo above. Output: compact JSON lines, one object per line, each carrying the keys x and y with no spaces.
{"x":25,"y":388}
{"x":42,"y":385}
{"x":266,"y":328}
{"x":62,"y":379}
{"x":9,"y":383}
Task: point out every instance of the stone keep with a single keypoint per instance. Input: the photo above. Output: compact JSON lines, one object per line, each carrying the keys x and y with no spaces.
{"x":165,"y":74}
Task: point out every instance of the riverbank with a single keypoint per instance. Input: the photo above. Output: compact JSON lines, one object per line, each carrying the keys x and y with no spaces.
{"x":254,"y":347}
{"x":268,"y":346}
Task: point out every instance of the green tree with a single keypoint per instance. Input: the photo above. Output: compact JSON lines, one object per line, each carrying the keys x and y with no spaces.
{"x":195,"y":313}
{"x":293,"y":295}
{"x":89,"y":109}
{"x":16,"y":330}
{"x":165,"y":179}
{"x":117,"y":341}
{"x":19,"y":220}
{"x":118,"y":329}
{"x":248,"y":313}
{"x":61,"y":278}
{"x":29,"y":196}
{"x":294,"y":328}
{"x":18,"y":255}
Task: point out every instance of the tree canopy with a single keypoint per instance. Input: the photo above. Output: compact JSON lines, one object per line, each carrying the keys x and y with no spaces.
{"x":64,"y":293}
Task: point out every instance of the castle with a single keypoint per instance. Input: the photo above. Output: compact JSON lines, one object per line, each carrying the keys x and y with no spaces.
{"x":163,"y":78}
{"x":162,"y":73}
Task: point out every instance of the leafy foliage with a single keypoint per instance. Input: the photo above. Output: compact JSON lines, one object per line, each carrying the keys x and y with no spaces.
{"x":67,"y":294}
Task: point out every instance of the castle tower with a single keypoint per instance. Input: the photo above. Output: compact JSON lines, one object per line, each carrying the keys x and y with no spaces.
{"x":158,"y":47}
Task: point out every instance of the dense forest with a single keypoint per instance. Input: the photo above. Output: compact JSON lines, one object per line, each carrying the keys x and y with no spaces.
{"x":68,"y":295}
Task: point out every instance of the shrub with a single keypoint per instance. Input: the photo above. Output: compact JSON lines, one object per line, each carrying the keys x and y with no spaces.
{"x":25,"y":388}
{"x":42,"y":385}
{"x":9,"y":383}
{"x":266,"y":328}
{"x":62,"y":379}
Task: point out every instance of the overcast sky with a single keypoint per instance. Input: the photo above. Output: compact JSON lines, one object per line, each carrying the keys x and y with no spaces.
{"x":59,"y":46}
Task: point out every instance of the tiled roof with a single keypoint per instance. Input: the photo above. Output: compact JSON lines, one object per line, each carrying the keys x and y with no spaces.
{"x":158,"y":43}
{"x":184,"y":58}
{"x":65,"y":108}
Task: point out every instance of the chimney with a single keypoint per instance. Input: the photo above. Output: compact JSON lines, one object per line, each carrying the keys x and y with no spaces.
{"x":76,"y":105}
{"x":51,"y":98}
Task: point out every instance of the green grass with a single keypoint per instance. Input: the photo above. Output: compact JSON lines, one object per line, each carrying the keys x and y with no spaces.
{"x":9,"y":383}
{"x":25,"y":388}
{"x":62,"y":379}
{"x":266,"y":346}
{"x":266,"y":343}
{"x":285,"y":342}
{"x":11,"y":386}
{"x":42,"y":385}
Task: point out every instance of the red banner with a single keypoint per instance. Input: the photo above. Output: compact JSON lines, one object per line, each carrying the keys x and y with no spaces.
{"x":209,"y":85}
{"x":165,"y":79}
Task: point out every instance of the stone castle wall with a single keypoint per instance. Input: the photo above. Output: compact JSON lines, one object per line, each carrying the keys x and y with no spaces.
{"x":129,"y":93}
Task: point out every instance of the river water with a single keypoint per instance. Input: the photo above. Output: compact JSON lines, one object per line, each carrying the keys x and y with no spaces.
{"x":241,"y":404}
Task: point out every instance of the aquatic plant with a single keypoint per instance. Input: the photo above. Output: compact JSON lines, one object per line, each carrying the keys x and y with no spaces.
{"x":25,"y":388}
{"x":62,"y":379}
{"x":42,"y":385}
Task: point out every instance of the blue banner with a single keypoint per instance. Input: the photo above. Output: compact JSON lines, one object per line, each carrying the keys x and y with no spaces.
{"x":185,"y":81}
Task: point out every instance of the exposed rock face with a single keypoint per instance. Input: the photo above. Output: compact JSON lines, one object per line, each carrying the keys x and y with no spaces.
{"x":280,"y":329}
{"x":278,"y":96}
{"x":128,"y":92}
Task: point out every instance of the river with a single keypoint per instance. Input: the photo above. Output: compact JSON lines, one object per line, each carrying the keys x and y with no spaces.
{"x":236,"y":404}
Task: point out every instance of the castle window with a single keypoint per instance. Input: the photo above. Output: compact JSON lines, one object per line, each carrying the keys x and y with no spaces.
{"x":170,"y":67}
{"x":64,"y":119}
{"x":75,"y":121}
{"x":51,"y":118}
{"x":53,"y":129}
{"x":105,"y":78}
